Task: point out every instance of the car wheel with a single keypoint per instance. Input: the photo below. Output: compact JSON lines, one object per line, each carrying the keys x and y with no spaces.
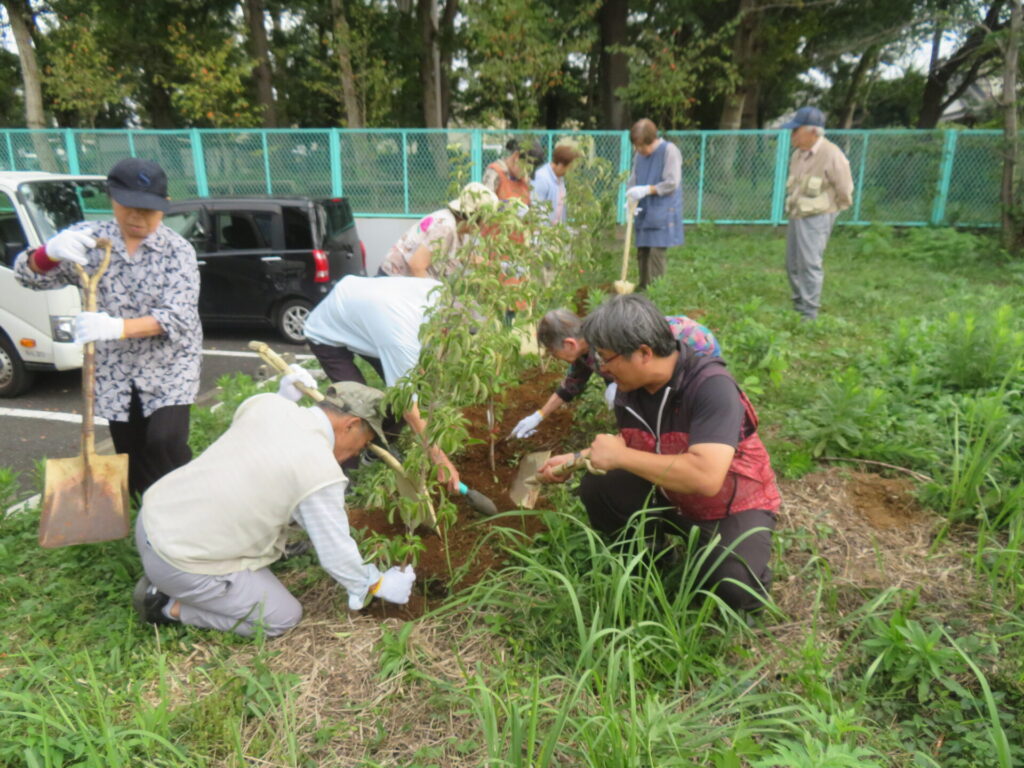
{"x":291,"y":319}
{"x":14,"y":377}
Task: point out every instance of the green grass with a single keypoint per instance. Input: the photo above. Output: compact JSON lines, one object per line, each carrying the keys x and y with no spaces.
{"x":577,"y":654}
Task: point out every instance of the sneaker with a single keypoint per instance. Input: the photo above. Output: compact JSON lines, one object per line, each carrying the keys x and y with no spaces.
{"x":149,"y":603}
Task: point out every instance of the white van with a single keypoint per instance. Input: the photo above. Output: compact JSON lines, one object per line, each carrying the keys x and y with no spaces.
{"x":36,"y":327}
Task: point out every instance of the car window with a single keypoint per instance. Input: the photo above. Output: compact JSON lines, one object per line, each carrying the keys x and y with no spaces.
{"x":337,"y":218}
{"x":12,"y":236}
{"x":185,"y":223}
{"x":243,"y":231}
{"x":298,"y":234}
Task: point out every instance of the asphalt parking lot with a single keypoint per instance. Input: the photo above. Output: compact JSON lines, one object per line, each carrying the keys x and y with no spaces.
{"x":46,"y":421}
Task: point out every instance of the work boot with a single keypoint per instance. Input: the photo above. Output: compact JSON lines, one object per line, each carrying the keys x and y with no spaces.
{"x":149,"y":603}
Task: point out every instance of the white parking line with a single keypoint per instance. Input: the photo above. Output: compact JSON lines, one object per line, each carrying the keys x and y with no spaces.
{"x":27,"y":413}
{"x":233,"y":353}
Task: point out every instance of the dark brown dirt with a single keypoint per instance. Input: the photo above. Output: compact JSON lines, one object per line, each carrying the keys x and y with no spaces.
{"x":465,"y":541}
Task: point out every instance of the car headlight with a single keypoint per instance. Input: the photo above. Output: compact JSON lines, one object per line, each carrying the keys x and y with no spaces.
{"x":62,"y":327}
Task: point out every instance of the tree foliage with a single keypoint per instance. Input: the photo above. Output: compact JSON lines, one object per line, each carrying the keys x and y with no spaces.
{"x":497,"y":63}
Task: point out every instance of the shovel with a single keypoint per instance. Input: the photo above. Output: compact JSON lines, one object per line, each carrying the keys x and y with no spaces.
{"x":405,"y":485}
{"x":622,"y":285}
{"x":526,"y":486}
{"x":85,"y":499}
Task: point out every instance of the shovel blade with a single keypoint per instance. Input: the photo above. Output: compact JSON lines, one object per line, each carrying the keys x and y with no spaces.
{"x":524,"y":492}
{"x":84,"y":503}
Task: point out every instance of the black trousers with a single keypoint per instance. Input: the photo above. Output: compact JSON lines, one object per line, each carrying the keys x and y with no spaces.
{"x":155,"y":444}
{"x":339,"y":363}
{"x":611,"y":500}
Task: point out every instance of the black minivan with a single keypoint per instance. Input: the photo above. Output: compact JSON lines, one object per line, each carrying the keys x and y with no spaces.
{"x":268,"y":259}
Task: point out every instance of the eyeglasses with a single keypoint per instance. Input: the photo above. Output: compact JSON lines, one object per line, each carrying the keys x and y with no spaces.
{"x":603,"y":362}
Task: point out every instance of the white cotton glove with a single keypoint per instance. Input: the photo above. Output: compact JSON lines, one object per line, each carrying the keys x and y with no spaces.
{"x":609,"y":394}
{"x":97,"y":326}
{"x":70,"y":245}
{"x":396,"y":584}
{"x":638,"y":193}
{"x":527,"y":426}
{"x":287,"y":388}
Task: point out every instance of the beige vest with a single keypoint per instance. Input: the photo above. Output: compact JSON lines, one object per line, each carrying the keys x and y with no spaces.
{"x":811,"y":186}
{"x":227,"y":509}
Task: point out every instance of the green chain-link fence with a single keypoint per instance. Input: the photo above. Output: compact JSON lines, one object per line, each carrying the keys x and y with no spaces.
{"x":901,"y":177}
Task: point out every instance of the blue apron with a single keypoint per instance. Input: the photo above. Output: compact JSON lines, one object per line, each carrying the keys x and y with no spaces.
{"x":659,"y":224}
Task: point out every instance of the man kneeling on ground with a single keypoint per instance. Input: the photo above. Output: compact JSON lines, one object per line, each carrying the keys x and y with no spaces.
{"x":208,"y":531}
{"x":687,"y":440}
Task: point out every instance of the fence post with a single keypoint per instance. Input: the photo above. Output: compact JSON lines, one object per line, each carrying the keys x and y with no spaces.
{"x":405,"y":171}
{"x":476,"y":154}
{"x":625,"y":164}
{"x":945,"y":174}
{"x":700,"y":176}
{"x":337,"y":188}
{"x":266,"y":163}
{"x":10,"y":149}
{"x":781,"y":173}
{"x":72,"y":151}
{"x":199,"y":163}
{"x":858,"y":190}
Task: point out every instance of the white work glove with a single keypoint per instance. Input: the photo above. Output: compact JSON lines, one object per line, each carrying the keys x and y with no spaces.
{"x":287,"y":388}
{"x":638,"y":193}
{"x":527,"y":426}
{"x":97,"y":326}
{"x":70,"y":245}
{"x":396,"y":584}
{"x":609,"y":394}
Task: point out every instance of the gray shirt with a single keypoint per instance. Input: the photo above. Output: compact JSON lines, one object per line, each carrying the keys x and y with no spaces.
{"x":671,"y":174}
{"x":160,"y":280}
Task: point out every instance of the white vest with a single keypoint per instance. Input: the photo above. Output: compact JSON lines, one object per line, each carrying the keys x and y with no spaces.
{"x":228,"y":509}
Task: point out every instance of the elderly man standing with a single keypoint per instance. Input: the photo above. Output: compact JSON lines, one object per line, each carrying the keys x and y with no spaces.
{"x":549,"y":183}
{"x":818,"y":188}
{"x":149,"y":342}
{"x":687,"y":440}
{"x":208,"y":532}
{"x":656,"y":184}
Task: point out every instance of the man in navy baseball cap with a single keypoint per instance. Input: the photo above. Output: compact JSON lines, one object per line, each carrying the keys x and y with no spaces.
{"x":806,"y":116}
{"x":137,"y":183}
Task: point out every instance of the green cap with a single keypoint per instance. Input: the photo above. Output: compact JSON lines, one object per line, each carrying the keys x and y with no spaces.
{"x":359,"y":400}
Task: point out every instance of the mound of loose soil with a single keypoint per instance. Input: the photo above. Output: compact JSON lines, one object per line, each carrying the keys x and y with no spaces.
{"x":465,"y":541}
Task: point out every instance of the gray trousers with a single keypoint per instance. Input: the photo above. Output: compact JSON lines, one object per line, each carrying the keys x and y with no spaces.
{"x":805,"y":248}
{"x":652,"y":263}
{"x":232,"y":602}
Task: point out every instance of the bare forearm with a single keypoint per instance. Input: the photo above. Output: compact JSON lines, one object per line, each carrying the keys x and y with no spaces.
{"x":553,"y":404}
{"x":142,"y":327}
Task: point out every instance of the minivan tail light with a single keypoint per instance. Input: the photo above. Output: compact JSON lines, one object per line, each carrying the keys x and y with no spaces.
{"x":321,"y":266}
{"x":362,"y":248}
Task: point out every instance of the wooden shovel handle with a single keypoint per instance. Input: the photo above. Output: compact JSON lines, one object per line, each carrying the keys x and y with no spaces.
{"x":90,"y":283}
{"x":274,"y":360}
{"x":630,"y":215}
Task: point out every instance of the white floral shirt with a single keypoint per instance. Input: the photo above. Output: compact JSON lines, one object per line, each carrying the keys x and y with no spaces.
{"x":439,"y":232}
{"x":161,"y":280}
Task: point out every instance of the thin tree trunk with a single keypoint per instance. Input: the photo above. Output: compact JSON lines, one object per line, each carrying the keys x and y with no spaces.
{"x":354,"y":117}
{"x":447,"y":42}
{"x":743,"y":52}
{"x":1011,"y":205}
{"x":430,"y":62}
{"x":254,"y":15}
{"x":20,"y":16}
{"x":613,"y":68}
{"x":853,"y":92}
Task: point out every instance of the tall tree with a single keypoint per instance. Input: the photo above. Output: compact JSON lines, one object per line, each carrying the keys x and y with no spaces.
{"x":260,"y":51}
{"x":949,"y":79}
{"x":343,"y":52}
{"x":19,"y":15}
{"x":613,"y":64}
{"x":1011,"y":193}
